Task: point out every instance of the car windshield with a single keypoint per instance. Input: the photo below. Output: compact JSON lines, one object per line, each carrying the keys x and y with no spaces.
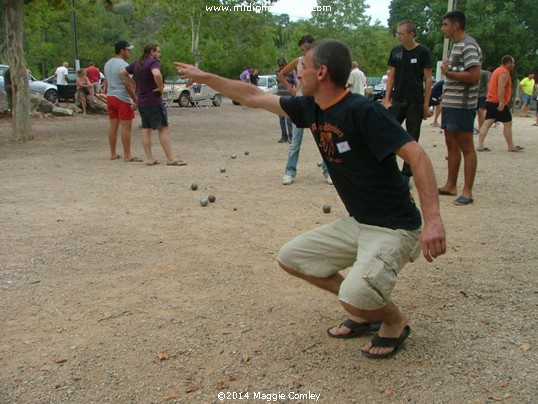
{"x":262,"y":82}
{"x":175,"y":80}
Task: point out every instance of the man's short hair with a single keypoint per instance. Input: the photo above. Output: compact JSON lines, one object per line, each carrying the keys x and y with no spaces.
{"x":456,"y":16}
{"x":335,"y":55}
{"x":306,"y":39}
{"x":507,"y":59}
{"x":410,"y":26}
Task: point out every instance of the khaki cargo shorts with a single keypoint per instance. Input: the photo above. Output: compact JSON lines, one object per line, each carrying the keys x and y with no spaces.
{"x":375,"y":255}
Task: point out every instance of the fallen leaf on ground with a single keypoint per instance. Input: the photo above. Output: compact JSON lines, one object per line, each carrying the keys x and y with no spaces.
{"x":163,"y":356}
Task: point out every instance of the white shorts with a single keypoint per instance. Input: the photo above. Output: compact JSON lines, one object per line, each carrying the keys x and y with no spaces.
{"x":375,"y":254}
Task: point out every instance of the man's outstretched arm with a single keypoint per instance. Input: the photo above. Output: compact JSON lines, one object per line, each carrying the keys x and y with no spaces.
{"x":244,"y":93}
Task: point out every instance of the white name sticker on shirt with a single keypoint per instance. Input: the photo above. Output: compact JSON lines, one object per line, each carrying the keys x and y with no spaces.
{"x":343,"y":147}
{"x":414,"y":60}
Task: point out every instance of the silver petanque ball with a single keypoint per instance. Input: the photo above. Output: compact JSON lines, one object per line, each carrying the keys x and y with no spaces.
{"x":194,"y":186}
{"x":326,"y":208}
{"x":320,"y":163}
{"x":204,"y":201}
{"x":211,"y":198}
{"x":223,"y":169}
{"x":246,"y":152}
{"x":233,"y":156}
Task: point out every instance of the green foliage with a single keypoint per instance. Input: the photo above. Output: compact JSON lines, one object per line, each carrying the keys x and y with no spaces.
{"x":230,"y":41}
{"x":500,"y":27}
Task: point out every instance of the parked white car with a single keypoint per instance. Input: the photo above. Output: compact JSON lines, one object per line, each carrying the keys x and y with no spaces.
{"x":176,"y":90}
{"x":269,"y":83}
{"x":38,"y":87}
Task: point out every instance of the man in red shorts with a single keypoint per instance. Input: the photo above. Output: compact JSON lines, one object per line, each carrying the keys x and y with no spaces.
{"x":121,"y":102}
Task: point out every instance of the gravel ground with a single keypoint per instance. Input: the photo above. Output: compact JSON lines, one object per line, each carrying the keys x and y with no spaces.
{"x":116,"y":286}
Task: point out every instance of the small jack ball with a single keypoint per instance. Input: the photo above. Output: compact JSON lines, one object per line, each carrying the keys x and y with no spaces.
{"x":194,"y":186}
{"x":326,"y":208}
{"x":211,"y":198}
{"x":204,"y":201}
{"x":223,"y":169}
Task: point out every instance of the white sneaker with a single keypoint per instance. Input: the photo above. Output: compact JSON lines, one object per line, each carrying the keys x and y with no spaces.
{"x":329,"y":180}
{"x":287,"y":180}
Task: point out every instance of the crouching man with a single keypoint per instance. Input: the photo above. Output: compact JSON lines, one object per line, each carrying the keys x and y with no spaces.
{"x":359,"y":141}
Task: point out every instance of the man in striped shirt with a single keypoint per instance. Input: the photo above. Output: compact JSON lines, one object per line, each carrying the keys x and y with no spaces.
{"x":460,"y":96}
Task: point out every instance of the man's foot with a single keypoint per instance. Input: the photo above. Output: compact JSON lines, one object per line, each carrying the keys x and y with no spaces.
{"x":283,"y":140}
{"x":462,"y":201}
{"x":287,"y":180}
{"x":117,"y":156}
{"x":434,"y":124}
{"x":176,"y":163}
{"x":352,"y":329}
{"x":152,"y":162}
{"x":483,"y":149}
{"x":443,"y":191}
{"x":329,"y":180}
{"x":516,"y":149}
{"x":133,"y":160}
{"x":385,"y":347}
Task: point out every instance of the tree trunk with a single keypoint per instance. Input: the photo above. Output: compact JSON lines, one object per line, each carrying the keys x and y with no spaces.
{"x":195,"y":34}
{"x":17,"y":67}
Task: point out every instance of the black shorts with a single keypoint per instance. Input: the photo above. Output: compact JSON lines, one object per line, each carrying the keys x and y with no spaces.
{"x":500,"y":116}
{"x":62,"y":91}
{"x":481,"y":103}
{"x":153,"y":116}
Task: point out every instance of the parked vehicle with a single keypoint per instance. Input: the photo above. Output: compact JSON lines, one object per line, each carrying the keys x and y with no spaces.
{"x":269,"y":83}
{"x":372,"y":83}
{"x":378,"y":92}
{"x":38,"y":87}
{"x":71,"y":83}
{"x":176,"y":90}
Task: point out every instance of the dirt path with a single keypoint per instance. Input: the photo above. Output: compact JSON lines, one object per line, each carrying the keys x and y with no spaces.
{"x":116,"y":286}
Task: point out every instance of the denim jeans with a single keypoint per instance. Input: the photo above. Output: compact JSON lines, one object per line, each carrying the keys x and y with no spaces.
{"x":286,"y":127}
{"x":411,"y":112}
{"x":293,"y":153}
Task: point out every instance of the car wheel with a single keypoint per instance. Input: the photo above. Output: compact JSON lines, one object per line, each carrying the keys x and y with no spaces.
{"x":51,"y":96}
{"x":217,"y":100}
{"x":184,"y":99}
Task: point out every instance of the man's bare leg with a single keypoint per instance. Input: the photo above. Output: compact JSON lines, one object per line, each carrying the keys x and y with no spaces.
{"x":113,"y":137}
{"x":126,"y":139}
{"x":392,"y":319}
{"x":454,"y":161}
{"x":466,"y":145}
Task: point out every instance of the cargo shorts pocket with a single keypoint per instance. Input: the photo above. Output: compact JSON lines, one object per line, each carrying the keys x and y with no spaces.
{"x":383,"y":269}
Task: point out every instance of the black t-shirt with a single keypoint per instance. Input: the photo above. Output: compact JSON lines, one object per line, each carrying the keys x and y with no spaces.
{"x":357,"y":139}
{"x":410,"y":65}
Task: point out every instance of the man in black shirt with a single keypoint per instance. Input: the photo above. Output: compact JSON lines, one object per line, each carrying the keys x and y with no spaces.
{"x":409,"y":83}
{"x":358,"y":140}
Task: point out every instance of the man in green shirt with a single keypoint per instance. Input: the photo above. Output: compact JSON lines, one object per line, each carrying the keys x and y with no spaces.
{"x":527,"y":89}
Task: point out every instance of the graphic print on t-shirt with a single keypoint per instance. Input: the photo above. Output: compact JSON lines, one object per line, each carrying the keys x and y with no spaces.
{"x":329,"y":135}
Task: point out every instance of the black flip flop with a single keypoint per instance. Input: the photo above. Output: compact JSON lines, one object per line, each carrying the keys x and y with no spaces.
{"x":357,"y":329}
{"x":443,"y":192}
{"x":395,"y":343}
